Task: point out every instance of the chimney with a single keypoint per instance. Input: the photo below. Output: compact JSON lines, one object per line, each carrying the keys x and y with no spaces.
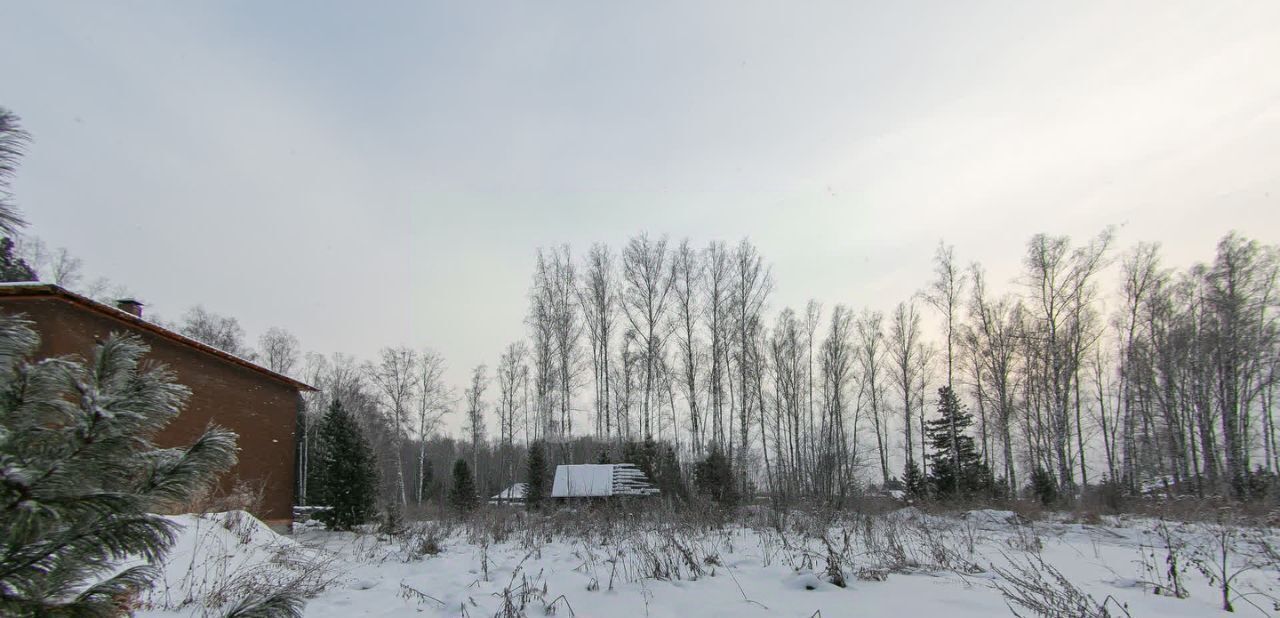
{"x":130,"y":306}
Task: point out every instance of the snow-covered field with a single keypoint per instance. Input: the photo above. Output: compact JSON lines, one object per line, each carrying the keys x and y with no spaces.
{"x":904,"y":564}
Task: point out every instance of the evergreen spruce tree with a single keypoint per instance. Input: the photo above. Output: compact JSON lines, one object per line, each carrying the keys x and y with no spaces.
{"x":670,"y":480}
{"x":80,"y":476}
{"x":603,"y":457}
{"x":462,"y":495}
{"x":713,"y":477}
{"x":955,"y":467}
{"x":644,"y":455}
{"x":633,"y":454}
{"x":392,"y":521}
{"x":347,"y":477}
{"x":1044,"y":486}
{"x":430,"y":489}
{"x":916,"y":484}
{"x":12,"y":267}
{"x":536,"y":477}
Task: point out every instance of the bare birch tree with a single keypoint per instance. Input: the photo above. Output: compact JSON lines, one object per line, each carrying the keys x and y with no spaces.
{"x":944,"y":294}
{"x":510,"y":376}
{"x":647,"y":278}
{"x":837,"y":366}
{"x":598,"y":297}
{"x":394,"y":375}
{"x":475,"y":429}
{"x":993,"y":336}
{"x":904,"y":341}
{"x":718,"y":316}
{"x":433,"y":399}
{"x":750,"y":290}
{"x":871,"y":353}
{"x":687,"y":286}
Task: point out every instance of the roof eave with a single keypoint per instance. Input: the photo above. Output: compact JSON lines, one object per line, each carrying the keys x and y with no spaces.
{"x":56,"y":291}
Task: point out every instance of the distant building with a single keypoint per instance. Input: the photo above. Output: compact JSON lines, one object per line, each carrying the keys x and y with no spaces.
{"x":600,"y":481}
{"x":260,"y":405}
{"x":512,"y":495}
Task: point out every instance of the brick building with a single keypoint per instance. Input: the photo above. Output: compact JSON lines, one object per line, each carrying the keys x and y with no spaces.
{"x":258,"y":404}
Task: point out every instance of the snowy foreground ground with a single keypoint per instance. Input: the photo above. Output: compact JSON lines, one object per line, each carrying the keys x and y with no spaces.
{"x":904,"y":564}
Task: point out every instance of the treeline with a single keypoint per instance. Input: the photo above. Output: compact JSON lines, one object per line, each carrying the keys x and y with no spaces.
{"x":1156,"y":377}
{"x":1096,"y":366}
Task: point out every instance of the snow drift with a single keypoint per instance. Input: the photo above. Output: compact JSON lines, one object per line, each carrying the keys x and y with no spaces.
{"x":222,"y":558}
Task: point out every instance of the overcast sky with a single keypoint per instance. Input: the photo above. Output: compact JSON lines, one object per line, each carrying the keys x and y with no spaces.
{"x":374,"y":174}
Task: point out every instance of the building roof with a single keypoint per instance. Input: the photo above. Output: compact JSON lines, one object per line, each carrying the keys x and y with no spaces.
{"x":514,"y":493}
{"x":34,"y":289}
{"x":600,"y":480}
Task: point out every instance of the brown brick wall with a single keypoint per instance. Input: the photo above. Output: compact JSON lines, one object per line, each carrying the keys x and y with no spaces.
{"x":261,"y":410}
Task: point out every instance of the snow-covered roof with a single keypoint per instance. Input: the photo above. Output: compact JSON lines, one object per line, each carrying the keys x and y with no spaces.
{"x":600,"y":481}
{"x":514,"y":492}
{"x":582,"y":481}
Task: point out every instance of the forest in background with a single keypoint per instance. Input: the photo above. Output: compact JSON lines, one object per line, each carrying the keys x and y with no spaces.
{"x":1170,"y":390}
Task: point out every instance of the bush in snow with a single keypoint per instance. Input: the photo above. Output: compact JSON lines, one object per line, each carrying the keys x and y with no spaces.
{"x":1220,"y":557}
{"x":220,"y":559}
{"x":1166,"y":580}
{"x":424,"y":539}
{"x":79,"y":476}
{"x":1036,"y":586}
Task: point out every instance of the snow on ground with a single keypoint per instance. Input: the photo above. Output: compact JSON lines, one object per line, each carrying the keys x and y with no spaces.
{"x":220,"y":557}
{"x":565,"y":565}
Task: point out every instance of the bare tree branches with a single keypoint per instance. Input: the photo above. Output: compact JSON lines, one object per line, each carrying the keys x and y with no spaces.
{"x":222,"y":332}
{"x":278,"y":350}
{"x":647,"y":277}
{"x":394,"y":375}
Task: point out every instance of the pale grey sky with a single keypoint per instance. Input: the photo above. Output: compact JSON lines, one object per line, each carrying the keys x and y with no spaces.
{"x":372,"y":174}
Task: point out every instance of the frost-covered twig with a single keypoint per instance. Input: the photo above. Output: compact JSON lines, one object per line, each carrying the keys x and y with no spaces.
{"x":409,"y":592}
{"x":1038,"y":587}
{"x":744,"y":592}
